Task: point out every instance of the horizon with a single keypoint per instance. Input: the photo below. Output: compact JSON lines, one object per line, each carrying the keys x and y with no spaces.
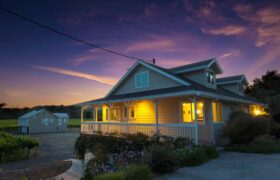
{"x":38,"y":67}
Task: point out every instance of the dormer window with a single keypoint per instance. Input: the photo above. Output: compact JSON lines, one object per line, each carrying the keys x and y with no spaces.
{"x":142,"y":80}
{"x":210,"y":77}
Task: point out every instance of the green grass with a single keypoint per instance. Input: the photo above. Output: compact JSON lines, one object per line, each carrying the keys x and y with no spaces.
{"x":6,"y":124}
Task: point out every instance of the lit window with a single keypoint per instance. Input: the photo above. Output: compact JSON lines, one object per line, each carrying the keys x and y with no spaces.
{"x":142,"y":80}
{"x":188,"y":112}
{"x":217,"y":112}
{"x":114,"y":113}
{"x":210,"y":77}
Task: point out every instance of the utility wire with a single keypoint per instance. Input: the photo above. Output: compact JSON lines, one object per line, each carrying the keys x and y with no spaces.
{"x":66,"y":35}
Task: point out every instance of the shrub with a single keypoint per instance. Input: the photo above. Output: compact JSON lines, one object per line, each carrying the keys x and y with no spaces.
{"x":132,"y":172}
{"x":262,"y":145}
{"x":163,"y":158}
{"x":138,"y":141}
{"x":182,"y":142}
{"x":211,"y":152}
{"x":97,"y":164}
{"x":243,"y":128}
{"x":275,"y":130}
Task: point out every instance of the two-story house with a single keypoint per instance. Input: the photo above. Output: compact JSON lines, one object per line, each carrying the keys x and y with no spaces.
{"x":187,"y":101}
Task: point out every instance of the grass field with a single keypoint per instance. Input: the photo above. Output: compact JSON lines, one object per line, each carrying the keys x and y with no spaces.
{"x":13,"y":123}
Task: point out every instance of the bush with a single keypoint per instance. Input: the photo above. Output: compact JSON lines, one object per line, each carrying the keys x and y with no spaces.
{"x":132,"y":172}
{"x":196,"y":156}
{"x":182,"y":142}
{"x":243,"y":128}
{"x":275,"y":130}
{"x":262,"y":145}
{"x":163,"y":158}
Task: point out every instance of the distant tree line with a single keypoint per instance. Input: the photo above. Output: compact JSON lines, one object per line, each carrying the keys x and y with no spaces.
{"x":14,"y":113}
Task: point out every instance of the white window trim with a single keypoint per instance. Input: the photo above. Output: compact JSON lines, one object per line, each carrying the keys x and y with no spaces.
{"x":181,"y":113}
{"x":148,"y":80}
{"x":214,"y":77}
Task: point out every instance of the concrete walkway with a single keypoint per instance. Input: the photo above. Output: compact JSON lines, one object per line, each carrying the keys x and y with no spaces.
{"x":76,"y":170}
{"x":232,"y":166}
{"x":74,"y":173}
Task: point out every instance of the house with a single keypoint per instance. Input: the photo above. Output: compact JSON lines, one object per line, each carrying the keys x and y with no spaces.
{"x":42,"y":121}
{"x":187,"y":101}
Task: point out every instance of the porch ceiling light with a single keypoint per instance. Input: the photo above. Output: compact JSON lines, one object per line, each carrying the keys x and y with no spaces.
{"x":200,"y":104}
{"x":198,"y":111}
{"x":257,"y":112}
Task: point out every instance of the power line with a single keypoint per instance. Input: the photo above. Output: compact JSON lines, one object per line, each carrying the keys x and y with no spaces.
{"x":66,"y":35}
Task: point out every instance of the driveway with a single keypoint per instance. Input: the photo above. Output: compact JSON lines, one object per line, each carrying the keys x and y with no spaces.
{"x":53,"y":147}
{"x":232,"y":166}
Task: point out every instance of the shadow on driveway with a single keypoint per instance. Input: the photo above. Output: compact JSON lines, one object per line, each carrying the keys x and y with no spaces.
{"x":53,"y":147}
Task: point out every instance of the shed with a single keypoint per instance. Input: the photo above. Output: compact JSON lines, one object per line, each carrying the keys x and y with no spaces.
{"x":42,"y":121}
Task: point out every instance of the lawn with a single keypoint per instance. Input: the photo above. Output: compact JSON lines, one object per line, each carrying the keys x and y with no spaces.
{"x":13,"y":123}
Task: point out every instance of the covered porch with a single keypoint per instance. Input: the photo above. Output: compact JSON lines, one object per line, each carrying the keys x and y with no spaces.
{"x":170,"y":116}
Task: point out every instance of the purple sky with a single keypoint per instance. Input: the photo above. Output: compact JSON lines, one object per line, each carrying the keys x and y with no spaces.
{"x":38,"y":67}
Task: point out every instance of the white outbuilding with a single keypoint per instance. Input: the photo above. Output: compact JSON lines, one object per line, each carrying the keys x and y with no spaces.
{"x":42,"y":121}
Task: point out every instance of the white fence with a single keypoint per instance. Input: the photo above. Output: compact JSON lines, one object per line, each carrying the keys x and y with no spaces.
{"x":174,"y":130}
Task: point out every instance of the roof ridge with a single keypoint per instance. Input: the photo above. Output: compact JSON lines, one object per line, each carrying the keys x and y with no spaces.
{"x":201,"y":61}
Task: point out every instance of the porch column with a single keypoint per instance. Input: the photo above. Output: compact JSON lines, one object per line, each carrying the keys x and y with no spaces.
{"x":109,"y":117}
{"x":93,"y":118}
{"x":127,"y":116}
{"x":195,"y":121}
{"x":82,"y":114}
{"x":156,"y":116}
{"x":211,"y":121}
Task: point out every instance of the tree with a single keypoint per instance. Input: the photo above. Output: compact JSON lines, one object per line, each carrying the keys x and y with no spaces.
{"x":267,"y":90}
{"x":2,"y":105}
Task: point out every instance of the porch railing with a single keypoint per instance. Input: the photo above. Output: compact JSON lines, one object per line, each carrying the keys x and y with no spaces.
{"x":174,"y":130}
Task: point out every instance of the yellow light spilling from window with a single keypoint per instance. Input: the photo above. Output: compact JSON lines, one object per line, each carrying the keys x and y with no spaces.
{"x":200,"y":104}
{"x":257,"y":112}
{"x":198,"y":111}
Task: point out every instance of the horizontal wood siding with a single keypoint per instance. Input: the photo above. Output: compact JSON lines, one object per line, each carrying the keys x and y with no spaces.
{"x":156,"y":81}
{"x":37,"y":126}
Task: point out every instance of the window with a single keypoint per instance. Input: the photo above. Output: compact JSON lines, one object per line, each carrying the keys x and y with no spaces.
{"x":142,"y":80}
{"x":114,"y":113}
{"x":125,"y":112}
{"x":132,"y":112}
{"x":210,"y":77}
{"x":217,"y":112}
{"x":188,"y":112}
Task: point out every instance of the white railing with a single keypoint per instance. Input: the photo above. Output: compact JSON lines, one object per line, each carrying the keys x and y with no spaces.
{"x":174,"y":130}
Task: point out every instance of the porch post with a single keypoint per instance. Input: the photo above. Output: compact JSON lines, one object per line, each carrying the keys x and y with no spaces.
{"x":156,"y":116}
{"x":211,"y":121}
{"x":109,"y":117}
{"x":127,"y":116}
{"x":82,"y":114}
{"x":195,"y":120}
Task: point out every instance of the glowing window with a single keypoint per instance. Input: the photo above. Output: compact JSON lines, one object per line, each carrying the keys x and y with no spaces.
{"x":188,"y":112}
{"x":217,"y":112}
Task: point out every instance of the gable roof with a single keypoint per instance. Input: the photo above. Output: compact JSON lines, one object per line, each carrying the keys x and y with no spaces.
{"x":198,"y":66}
{"x":31,"y":113}
{"x":152,"y":67}
{"x":231,"y":79}
{"x":61,"y":115}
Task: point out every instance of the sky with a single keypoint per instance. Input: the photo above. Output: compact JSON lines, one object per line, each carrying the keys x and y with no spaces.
{"x":38,"y":67}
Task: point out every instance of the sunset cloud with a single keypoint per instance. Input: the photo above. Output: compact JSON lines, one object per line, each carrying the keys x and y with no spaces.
{"x":101,"y":79}
{"x":226,"y":31}
{"x":150,"y":45}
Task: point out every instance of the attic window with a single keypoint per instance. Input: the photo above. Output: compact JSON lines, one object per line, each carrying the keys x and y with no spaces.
{"x":210,"y":77}
{"x":142,"y":80}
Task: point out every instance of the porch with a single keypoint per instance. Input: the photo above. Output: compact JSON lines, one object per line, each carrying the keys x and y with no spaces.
{"x":170,"y":116}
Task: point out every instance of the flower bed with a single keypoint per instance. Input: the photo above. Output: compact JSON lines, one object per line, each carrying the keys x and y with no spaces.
{"x":163,"y":154}
{"x":16,"y":147}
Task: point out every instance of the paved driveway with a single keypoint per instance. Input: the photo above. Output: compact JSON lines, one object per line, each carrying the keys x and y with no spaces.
{"x":232,"y":166}
{"x":53,"y":147}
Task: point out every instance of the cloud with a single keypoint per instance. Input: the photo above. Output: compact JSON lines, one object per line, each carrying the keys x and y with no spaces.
{"x":226,"y":55}
{"x":101,"y":79}
{"x":225,"y":31}
{"x":150,"y":45}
